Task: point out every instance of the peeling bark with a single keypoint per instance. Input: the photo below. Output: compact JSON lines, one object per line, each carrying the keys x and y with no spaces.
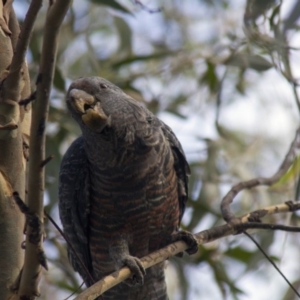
{"x":14,"y":120}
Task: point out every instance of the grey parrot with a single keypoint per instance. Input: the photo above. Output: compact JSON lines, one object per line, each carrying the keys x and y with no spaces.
{"x":123,"y":187}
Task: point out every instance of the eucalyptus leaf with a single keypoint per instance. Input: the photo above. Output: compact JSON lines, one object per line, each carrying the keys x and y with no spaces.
{"x":256,"y":8}
{"x":59,"y":81}
{"x":125,"y":37}
{"x":245,"y":60}
{"x":113,"y":4}
{"x":240,"y":254}
{"x":210,"y":78}
{"x":132,"y":59}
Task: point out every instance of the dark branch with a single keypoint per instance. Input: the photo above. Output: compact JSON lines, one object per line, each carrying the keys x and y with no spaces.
{"x":28,"y":100}
{"x":149,"y":10}
{"x":266,"y":226}
{"x":45,"y":161}
{"x":88,"y":274}
{"x":272,"y":263}
{"x":10,"y":126}
{"x":36,"y":226}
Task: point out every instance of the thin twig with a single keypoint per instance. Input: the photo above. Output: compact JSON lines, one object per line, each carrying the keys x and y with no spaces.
{"x":287,"y":73}
{"x":272,"y":262}
{"x":149,"y":10}
{"x":289,"y":159}
{"x":13,"y":81}
{"x":28,"y":100}
{"x":288,"y":206}
{"x":267,"y":226}
{"x":88,"y":274}
{"x":219,"y":96}
{"x":74,"y":292}
{"x":36,"y":233}
{"x":45,"y":161}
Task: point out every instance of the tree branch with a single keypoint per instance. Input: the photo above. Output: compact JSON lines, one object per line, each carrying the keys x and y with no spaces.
{"x":236,"y":226}
{"x":32,"y":267}
{"x":286,"y":164}
{"x":13,"y":84}
{"x":256,"y":215}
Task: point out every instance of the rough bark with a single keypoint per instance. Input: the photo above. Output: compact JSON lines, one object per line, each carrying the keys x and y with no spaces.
{"x":14,"y":121}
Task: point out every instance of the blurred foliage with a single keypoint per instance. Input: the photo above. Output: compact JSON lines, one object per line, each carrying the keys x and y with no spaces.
{"x":189,"y":60}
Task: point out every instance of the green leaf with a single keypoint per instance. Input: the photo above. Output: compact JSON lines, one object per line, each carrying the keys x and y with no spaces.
{"x":113,"y":4}
{"x":240,"y":254}
{"x":59,"y":81}
{"x":234,"y":136}
{"x":173,"y":107}
{"x":289,"y":177}
{"x":256,"y":8}
{"x":210,"y":78}
{"x":35,"y":46}
{"x":221,"y":277}
{"x":245,"y":60}
{"x":125,"y":37}
{"x":132,"y":59}
{"x":273,"y":19}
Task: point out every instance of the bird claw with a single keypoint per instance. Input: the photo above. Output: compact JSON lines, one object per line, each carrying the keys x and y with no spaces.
{"x":137,"y":270}
{"x":189,"y":239}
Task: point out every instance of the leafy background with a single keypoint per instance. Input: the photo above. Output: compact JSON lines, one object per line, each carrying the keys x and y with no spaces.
{"x":223,"y":75}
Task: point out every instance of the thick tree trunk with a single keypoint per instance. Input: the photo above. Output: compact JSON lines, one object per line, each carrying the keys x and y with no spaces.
{"x":11,"y":220}
{"x":14,"y":123}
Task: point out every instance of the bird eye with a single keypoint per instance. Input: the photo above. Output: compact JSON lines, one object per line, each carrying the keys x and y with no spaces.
{"x":103,"y":86}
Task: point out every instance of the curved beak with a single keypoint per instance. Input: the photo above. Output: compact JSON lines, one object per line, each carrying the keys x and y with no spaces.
{"x":80,"y":100}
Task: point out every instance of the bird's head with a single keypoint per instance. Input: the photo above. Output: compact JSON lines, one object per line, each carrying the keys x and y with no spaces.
{"x":94,"y":101}
{"x":104,"y":111}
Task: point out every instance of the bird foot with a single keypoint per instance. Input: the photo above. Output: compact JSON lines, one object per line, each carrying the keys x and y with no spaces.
{"x":189,"y":239}
{"x":137,"y":270}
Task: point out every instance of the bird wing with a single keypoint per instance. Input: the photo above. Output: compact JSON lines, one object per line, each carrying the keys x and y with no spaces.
{"x":149,"y":132}
{"x":74,"y":206}
{"x":180,"y":164}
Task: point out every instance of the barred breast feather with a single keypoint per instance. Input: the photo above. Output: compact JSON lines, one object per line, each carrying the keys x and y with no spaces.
{"x":122,"y":190}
